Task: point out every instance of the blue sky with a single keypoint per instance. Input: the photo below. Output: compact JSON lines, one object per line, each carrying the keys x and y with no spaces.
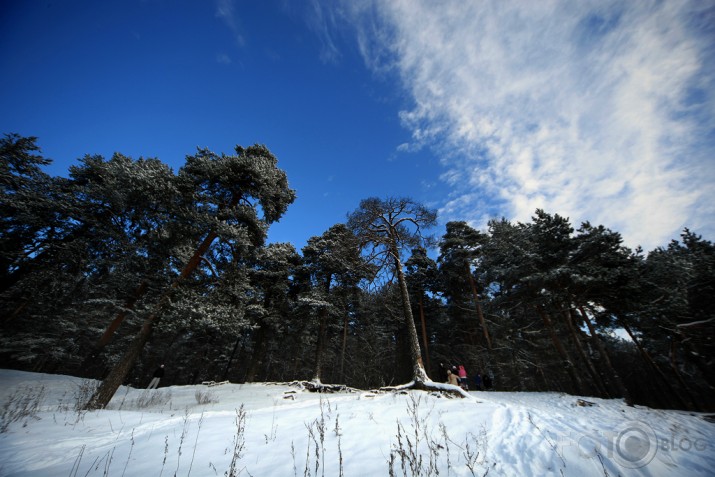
{"x":600,"y":111}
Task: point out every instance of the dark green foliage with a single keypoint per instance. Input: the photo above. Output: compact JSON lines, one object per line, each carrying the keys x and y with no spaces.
{"x":88,"y":260}
{"x":334,"y":267}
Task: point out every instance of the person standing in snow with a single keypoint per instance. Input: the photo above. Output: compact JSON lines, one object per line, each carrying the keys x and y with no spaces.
{"x":158,"y":374}
{"x":443,"y":372}
{"x":487,"y":382}
{"x":452,"y":378}
{"x":478,"y":382}
{"x":463,"y":377}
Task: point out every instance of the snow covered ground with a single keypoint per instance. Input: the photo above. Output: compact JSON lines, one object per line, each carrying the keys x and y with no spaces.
{"x":279,"y":430}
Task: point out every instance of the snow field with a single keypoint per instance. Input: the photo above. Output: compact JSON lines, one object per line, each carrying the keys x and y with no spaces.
{"x":289,"y":432}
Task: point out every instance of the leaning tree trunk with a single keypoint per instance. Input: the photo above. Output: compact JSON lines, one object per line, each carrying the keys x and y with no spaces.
{"x":648,"y":359}
{"x":595,"y":376}
{"x":615,"y":377}
{"x":418,"y":371}
{"x":116,"y":377}
{"x":575,"y":379}
{"x":420,"y":380}
{"x":106,"y":337}
{"x":114,"y":325}
{"x":478,"y":305}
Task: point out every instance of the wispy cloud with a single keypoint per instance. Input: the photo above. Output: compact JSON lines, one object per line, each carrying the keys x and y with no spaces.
{"x":601,"y":111}
{"x":225,"y":10}
{"x":322,"y":21}
{"x":223,"y":59}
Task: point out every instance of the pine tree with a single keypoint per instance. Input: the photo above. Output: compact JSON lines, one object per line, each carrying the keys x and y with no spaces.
{"x":332,"y":260}
{"x":459,"y":252}
{"x":271,"y":279}
{"x":386,"y":228}
{"x":234,"y":198}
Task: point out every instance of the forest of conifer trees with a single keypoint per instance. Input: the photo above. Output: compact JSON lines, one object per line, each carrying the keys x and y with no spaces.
{"x":125,"y":265}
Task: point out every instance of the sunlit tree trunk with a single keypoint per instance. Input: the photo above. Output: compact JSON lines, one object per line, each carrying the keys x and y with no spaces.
{"x":384,"y":226}
{"x":419,"y":373}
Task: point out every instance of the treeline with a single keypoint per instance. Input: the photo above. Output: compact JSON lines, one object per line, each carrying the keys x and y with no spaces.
{"x":126,"y":264}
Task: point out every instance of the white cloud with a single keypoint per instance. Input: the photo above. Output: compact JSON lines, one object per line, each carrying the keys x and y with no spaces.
{"x":599,"y":111}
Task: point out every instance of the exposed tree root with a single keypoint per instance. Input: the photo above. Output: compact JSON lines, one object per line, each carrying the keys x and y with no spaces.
{"x":315,"y":386}
{"x":429,"y":385}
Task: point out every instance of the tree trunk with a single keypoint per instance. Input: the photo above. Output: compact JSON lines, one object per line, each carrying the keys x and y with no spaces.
{"x":344,"y":348}
{"x":320,"y":345}
{"x":515,"y":370}
{"x":595,"y":376}
{"x":419,"y":373}
{"x":116,"y":377}
{"x":575,"y":379}
{"x":478,"y":305}
{"x":615,"y":378}
{"x":424,"y":330}
{"x":114,"y":325}
{"x":230,"y":359}
{"x":91,"y":358}
{"x":648,"y":359}
{"x":540,"y":370}
{"x":258,"y":354}
{"x":692,"y":402}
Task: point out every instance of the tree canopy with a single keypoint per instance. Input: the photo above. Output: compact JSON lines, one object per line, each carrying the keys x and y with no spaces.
{"x":125,"y":264}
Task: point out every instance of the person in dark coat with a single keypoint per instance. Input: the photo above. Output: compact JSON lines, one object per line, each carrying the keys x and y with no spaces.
{"x":487,"y":382}
{"x":158,"y":374}
{"x":478,"y":382}
{"x":443,"y":372}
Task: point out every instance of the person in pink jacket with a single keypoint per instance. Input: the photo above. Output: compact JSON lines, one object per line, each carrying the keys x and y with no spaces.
{"x":463,"y":377}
